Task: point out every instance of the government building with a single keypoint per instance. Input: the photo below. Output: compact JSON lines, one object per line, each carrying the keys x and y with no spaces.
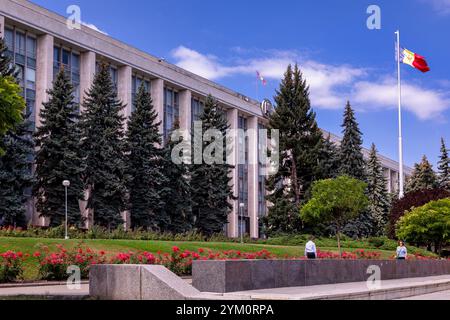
{"x":40,"y":43}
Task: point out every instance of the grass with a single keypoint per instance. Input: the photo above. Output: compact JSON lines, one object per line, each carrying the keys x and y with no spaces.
{"x":30,"y":245}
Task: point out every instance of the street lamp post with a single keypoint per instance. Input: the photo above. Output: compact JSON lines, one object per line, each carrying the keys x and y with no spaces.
{"x":241,"y":225}
{"x":66,"y":184}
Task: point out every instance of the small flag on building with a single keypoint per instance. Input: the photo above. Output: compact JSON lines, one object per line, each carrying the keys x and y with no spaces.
{"x":261,"y":78}
{"x":414,"y":60}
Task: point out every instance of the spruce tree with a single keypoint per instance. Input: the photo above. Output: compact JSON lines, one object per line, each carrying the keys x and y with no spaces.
{"x":16,"y":161}
{"x":423,"y":177}
{"x":15,"y":175}
{"x":377,"y":193}
{"x":177,"y":195}
{"x":444,"y":167}
{"x":351,"y":158}
{"x":300,"y":146}
{"x":145,"y":165}
{"x":328,"y":160}
{"x":103,"y":145}
{"x":58,"y":157}
{"x":210,"y":183}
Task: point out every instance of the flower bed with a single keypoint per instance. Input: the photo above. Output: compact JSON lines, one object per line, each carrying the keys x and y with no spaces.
{"x":11,"y":266}
{"x":53,"y":265}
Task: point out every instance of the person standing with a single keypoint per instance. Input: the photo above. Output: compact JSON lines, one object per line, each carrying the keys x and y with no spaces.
{"x":402,"y":252}
{"x":310,"y":249}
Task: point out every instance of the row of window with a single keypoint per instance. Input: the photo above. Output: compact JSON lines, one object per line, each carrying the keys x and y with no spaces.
{"x":69,"y":61}
{"x":22,"y":48}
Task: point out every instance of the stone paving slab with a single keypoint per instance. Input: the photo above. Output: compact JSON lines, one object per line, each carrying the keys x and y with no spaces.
{"x":355,"y":290}
{"x":55,"y":290}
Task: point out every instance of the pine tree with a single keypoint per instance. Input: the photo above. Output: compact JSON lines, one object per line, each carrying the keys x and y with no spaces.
{"x":15,"y":175}
{"x":210,"y":183}
{"x":103,"y":146}
{"x":15,"y":163}
{"x":58,"y":157}
{"x":351,"y":158}
{"x":423,"y":177}
{"x":144,"y":165}
{"x":328,"y":160}
{"x":444,"y":167}
{"x":177,"y":194}
{"x":300,"y":145}
{"x":377,"y":193}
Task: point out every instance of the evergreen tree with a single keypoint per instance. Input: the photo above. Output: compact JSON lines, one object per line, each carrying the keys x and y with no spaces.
{"x":423,"y":177}
{"x":58,"y":157}
{"x":329,"y":162}
{"x":210,"y":183}
{"x":15,"y":175}
{"x":103,"y":145}
{"x":300,"y":146}
{"x":377,"y":193}
{"x":144,"y":161}
{"x":351,"y":157}
{"x":15,"y":164}
{"x":177,"y":191}
{"x":444,"y":167}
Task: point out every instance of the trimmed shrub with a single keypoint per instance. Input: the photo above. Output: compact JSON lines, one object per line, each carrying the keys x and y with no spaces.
{"x":412,"y":200}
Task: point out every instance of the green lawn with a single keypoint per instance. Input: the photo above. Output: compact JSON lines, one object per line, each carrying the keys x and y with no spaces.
{"x":30,"y":245}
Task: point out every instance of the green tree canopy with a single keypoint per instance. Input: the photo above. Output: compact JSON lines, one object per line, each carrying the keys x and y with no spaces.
{"x":144,"y":165}
{"x":58,"y":157}
{"x":12,"y":105}
{"x":335,"y":201}
{"x":350,"y":152}
{"x":429,"y":224}
{"x":423,"y":177}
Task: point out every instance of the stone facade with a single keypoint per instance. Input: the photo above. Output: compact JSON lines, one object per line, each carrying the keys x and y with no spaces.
{"x":92,"y":47}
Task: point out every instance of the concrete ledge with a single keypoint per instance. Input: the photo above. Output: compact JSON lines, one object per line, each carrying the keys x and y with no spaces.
{"x":244,"y":275}
{"x":138,"y":282}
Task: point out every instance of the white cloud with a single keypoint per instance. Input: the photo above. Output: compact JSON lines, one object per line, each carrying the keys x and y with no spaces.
{"x":322,"y":79}
{"x":424,"y":103}
{"x":330,"y":85}
{"x":93,"y":27}
{"x":440,"y":6}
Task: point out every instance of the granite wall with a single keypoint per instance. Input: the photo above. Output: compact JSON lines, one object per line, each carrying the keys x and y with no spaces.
{"x":240,"y":275}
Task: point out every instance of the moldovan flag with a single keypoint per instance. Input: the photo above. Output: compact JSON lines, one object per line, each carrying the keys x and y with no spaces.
{"x":414,"y":60}
{"x":261,"y":78}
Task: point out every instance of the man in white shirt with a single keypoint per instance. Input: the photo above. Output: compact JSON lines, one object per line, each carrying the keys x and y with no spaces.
{"x":310,"y":249}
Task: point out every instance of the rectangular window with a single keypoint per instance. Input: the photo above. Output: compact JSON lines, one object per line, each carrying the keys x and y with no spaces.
{"x":9,"y":39}
{"x":136,"y":82}
{"x":22,"y":48}
{"x":197,"y":107}
{"x":171,"y":111}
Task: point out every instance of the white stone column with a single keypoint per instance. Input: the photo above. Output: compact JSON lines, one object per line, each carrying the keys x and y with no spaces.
{"x":185,"y":97}
{"x":125,"y":95}
{"x":157,"y":91}
{"x":389,"y":181}
{"x":44,"y":72}
{"x":253,"y":175}
{"x":44,"y":80}
{"x":87,"y":74}
{"x":2,"y":26}
{"x":124,"y":91}
{"x":232,"y":116}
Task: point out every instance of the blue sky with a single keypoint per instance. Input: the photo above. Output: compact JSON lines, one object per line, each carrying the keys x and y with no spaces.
{"x":227,"y":41}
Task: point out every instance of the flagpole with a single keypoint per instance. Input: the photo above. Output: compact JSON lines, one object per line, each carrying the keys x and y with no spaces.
{"x":400,"y":131}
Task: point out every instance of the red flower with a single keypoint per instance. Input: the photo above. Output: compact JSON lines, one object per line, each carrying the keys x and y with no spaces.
{"x":175,"y":249}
